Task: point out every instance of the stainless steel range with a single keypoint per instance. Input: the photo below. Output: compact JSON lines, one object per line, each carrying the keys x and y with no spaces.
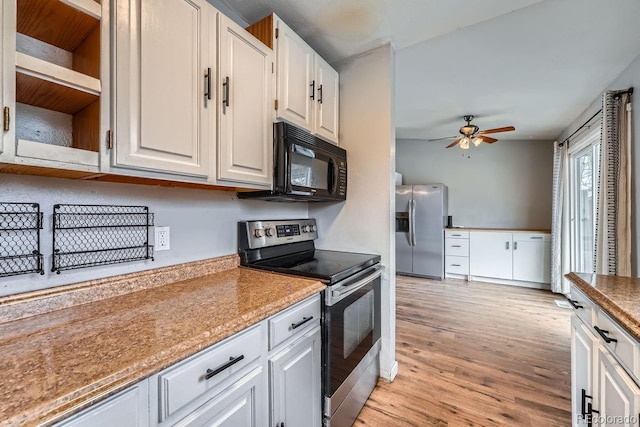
{"x":350,"y":309}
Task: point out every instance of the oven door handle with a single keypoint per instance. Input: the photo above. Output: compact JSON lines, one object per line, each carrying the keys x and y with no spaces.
{"x":343,"y":291}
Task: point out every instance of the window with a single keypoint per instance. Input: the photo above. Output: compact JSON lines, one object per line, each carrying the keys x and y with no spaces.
{"x":584,"y":167}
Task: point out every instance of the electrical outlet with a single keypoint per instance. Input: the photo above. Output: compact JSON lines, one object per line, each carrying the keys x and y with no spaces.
{"x":162,"y":239}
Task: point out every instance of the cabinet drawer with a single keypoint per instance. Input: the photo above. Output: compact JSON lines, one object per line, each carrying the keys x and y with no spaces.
{"x":183,"y":383}
{"x":288,"y":323}
{"x":586,"y":308}
{"x":533,"y":237}
{"x":457,"y":247}
{"x":456,"y":265}
{"x":625,"y":347}
{"x":456,"y":234}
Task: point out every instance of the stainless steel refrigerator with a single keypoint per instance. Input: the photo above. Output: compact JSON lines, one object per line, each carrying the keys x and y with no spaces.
{"x":421,"y":216}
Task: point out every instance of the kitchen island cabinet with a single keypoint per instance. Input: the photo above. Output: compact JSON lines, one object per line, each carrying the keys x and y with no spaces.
{"x":605,"y":350}
{"x":128,"y":329}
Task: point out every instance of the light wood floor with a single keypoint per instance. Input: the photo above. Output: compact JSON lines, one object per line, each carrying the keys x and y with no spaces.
{"x":475,"y":354}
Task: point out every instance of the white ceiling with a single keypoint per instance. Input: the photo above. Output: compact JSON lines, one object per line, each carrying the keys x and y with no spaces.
{"x":533,"y":64}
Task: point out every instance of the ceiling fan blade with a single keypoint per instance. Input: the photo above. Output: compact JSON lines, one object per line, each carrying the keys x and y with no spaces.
{"x":497,"y":130}
{"x":446,"y":137}
{"x":454,"y":143}
{"x":487,"y":139}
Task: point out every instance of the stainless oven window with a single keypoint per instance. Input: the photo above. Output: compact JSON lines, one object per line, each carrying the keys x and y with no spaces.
{"x":351,"y":324}
{"x":358,"y":323}
{"x":307,"y":170}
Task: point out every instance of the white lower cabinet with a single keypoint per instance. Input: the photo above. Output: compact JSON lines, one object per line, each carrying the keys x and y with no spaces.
{"x":619,"y":402}
{"x":517,"y":257}
{"x":603,"y":392}
{"x":129,"y":408}
{"x":295,"y":383}
{"x":584,"y":347}
{"x":490,"y":254}
{"x":238,"y":405}
{"x":266,"y":375}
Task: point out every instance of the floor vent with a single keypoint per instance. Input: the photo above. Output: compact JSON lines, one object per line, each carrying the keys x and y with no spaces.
{"x":562,"y":303}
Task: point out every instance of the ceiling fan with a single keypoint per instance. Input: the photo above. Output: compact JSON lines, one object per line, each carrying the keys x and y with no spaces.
{"x":472,"y":134}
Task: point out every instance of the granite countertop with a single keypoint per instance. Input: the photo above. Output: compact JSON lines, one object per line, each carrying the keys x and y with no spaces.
{"x":618,"y":296}
{"x":506,"y":230}
{"x":57,"y":363}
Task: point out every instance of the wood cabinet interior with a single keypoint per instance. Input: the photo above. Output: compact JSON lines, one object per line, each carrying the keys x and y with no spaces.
{"x":263,"y":30}
{"x":58,"y":69}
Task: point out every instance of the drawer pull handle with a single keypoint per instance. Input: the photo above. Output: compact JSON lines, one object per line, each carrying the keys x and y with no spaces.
{"x":232,"y":361}
{"x":457,"y":235}
{"x":574,"y":304}
{"x":456,"y":265}
{"x":536,"y":237}
{"x":603,"y":333}
{"x":456,"y":246}
{"x":302,"y":322}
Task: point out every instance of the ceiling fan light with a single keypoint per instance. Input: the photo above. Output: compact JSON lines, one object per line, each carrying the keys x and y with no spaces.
{"x":469,"y":130}
{"x":464,"y":143}
{"x":477,"y":140}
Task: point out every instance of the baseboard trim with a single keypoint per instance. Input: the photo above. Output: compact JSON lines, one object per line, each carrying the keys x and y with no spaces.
{"x":390,"y":374}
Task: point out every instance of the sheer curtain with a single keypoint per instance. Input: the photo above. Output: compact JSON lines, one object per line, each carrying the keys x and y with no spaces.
{"x":613,"y":214}
{"x":559,"y":222}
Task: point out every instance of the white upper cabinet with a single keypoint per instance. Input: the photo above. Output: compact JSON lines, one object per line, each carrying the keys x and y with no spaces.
{"x":245,"y":85}
{"x":54,"y":67}
{"x":295,"y":81}
{"x":326,"y":108}
{"x":165,"y":106}
{"x":307,"y":86}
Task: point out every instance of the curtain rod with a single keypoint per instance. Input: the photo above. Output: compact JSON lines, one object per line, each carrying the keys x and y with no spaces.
{"x":617,"y":92}
{"x":585,"y":124}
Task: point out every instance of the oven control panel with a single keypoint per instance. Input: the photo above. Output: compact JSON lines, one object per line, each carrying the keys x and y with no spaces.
{"x":262,"y":234}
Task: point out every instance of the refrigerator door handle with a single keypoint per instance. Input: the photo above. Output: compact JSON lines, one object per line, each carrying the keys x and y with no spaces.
{"x":412,"y":222}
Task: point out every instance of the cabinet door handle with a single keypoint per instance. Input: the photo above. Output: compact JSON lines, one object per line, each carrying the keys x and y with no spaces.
{"x":589,"y":414}
{"x":320,"y":95}
{"x":603,"y":333}
{"x":232,"y":361}
{"x":207,"y":85}
{"x":313,"y":90}
{"x":506,"y":246}
{"x":302,"y":322}
{"x":7,"y":118}
{"x":585,"y":396}
{"x":515,"y":246}
{"x":225,"y":86}
{"x":574,"y":304}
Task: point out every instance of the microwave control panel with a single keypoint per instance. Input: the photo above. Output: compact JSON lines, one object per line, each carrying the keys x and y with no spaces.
{"x":261,"y":234}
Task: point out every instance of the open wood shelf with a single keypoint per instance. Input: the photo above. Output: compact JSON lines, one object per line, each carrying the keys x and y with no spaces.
{"x":52,"y":96}
{"x":57,"y":23}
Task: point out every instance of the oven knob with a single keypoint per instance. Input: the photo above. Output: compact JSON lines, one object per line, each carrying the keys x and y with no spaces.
{"x":258,"y":232}
{"x":312,"y":228}
{"x":305,"y":229}
{"x":269,"y":232}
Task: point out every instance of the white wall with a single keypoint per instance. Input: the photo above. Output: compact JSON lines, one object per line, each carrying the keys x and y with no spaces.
{"x":628,"y":78}
{"x":504,"y":185}
{"x":202,"y":222}
{"x":364,"y":222}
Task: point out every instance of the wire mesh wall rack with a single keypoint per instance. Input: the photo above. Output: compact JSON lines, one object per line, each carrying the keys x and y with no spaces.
{"x":91,"y":235}
{"x":20,"y":225}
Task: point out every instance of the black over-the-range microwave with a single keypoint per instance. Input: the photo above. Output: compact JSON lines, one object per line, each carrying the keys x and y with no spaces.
{"x":305,"y":168}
